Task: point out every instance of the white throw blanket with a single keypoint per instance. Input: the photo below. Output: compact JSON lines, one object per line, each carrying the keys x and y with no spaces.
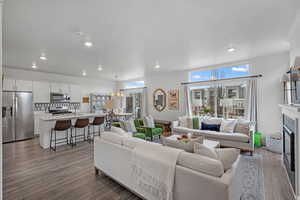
{"x":153,"y":170}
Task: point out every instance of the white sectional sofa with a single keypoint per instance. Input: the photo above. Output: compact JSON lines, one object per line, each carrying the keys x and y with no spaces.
{"x":196,"y":177}
{"x":242,"y":136}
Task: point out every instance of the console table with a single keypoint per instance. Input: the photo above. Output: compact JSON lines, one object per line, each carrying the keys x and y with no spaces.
{"x":167,"y":124}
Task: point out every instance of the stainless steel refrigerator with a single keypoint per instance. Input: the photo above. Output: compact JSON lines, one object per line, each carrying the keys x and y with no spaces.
{"x":17,"y":116}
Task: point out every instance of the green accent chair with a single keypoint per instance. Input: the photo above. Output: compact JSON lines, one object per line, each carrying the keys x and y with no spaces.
{"x":139,"y":134}
{"x":149,"y":132}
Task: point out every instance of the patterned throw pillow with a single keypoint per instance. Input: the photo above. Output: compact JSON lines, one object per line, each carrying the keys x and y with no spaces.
{"x":182,"y":121}
{"x":189,"y":122}
{"x":242,"y":126}
{"x":228,"y":125}
{"x":129,"y":126}
{"x":149,"y":121}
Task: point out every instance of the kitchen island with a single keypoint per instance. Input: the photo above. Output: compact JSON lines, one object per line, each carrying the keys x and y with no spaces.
{"x":47,"y":122}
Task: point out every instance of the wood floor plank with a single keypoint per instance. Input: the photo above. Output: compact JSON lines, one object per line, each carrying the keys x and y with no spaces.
{"x":31,"y":173}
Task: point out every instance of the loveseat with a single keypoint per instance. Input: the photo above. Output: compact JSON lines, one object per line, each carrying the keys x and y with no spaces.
{"x":196,"y":177}
{"x":241,"y":135}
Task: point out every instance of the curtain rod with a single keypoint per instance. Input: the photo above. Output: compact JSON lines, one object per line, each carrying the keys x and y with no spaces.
{"x":132,"y":88}
{"x":224,"y":79}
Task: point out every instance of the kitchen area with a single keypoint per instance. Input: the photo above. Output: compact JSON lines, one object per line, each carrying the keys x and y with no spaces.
{"x":32,"y":108}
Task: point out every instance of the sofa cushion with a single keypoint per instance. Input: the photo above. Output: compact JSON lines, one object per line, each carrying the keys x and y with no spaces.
{"x":211,"y":127}
{"x":201,"y":164}
{"x":112,"y":137}
{"x":238,"y":137}
{"x":228,"y":125}
{"x":187,"y":146}
{"x":242,"y":126}
{"x":227,"y":156}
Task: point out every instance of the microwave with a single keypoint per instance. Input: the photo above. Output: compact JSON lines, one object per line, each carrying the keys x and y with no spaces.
{"x":59,"y":98}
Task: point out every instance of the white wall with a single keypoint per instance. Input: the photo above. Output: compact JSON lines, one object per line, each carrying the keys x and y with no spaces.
{"x":270,"y":92}
{"x":1,"y":152}
{"x":87,"y":85}
{"x":295,"y":39}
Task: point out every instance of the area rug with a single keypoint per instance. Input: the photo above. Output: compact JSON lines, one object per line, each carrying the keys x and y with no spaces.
{"x":251,"y":172}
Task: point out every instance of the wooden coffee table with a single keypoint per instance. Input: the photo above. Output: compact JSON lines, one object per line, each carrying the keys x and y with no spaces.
{"x":209,"y":143}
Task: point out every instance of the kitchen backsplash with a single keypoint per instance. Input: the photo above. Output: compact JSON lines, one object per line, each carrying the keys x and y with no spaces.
{"x":45,"y":106}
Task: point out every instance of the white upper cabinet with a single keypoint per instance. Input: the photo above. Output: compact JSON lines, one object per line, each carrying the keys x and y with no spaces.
{"x":22,"y":85}
{"x":9,"y":84}
{"x":41,"y":92}
{"x":75,"y":93}
{"x":60,"y":88}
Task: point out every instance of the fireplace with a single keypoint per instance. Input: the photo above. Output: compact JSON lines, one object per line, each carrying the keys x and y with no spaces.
{"x":289,"y":130}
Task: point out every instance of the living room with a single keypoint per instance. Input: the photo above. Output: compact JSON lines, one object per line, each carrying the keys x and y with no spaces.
{"x":150,"y":100}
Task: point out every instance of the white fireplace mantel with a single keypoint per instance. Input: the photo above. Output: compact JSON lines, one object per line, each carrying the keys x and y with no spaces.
{"x":293,"y":112}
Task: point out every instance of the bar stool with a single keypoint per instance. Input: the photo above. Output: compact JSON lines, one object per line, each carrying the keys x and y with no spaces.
{"x":60,"y":125}
{"x":98,"y":121}
{"x":79,"y":124}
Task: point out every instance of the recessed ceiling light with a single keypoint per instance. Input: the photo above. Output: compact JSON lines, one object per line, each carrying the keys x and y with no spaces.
{"x":157,"y":66}
{"x":231,"y":49}
{"x":34,"y":65}
{"x":100,"y":68}
{"x":83,"y":73}
{"x":88,"y":44}
{"x":43,"y":56}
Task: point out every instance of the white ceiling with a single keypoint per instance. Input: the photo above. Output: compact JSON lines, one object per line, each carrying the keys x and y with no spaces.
{"x":129,"y":36}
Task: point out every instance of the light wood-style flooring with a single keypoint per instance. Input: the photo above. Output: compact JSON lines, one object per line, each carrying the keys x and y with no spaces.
{"x":33,"y":173}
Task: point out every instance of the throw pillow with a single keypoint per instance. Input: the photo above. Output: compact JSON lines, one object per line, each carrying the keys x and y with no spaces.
{"x":149,"y":121}
{"x":129,"y":126}
{"x":187,"y":146}
{"x":122,"y":125}
{"x":189,"y":121}
{"x":228,"y":125}
{"x":210,"y":127}
{"x":196,"y":122}
{"x":227,"y":156}
{"x":242,"y":126}
{"x":212,"y":120}
{"x":182,"y":121}
{"x":119,"y":131}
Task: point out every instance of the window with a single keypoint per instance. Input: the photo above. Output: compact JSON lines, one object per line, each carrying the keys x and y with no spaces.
{"x":221,"y":99}
{"x":220,"y":73}
{"x":134,"y":84}
{"x":226,"y":100}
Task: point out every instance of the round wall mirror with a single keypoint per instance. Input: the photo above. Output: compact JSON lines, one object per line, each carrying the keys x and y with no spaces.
{"x":159,"y":99}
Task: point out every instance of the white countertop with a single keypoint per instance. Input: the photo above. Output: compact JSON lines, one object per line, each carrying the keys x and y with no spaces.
{"x":50,"y":117}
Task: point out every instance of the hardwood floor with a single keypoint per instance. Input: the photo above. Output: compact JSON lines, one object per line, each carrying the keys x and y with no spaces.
{"x":33,"y":173}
